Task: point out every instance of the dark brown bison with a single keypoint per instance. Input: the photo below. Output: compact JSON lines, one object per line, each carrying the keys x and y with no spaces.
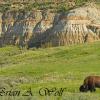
{"x":90,"y":84}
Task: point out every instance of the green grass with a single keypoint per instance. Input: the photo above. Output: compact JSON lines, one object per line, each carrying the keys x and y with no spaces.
{"x":64,"y":66}
{"x":40,"y":5}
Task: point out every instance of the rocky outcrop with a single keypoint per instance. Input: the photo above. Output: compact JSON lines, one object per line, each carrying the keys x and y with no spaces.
{"x":41,"y":28}
{"x":16,"y":24}
{"x":76,"y":26}
{"x":17,"y":27}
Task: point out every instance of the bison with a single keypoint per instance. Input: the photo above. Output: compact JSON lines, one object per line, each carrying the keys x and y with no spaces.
{"x":90,"y":84}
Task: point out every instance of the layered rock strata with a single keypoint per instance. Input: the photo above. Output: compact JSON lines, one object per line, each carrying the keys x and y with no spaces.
{"x":43,"y":29}
{"x":76,"y":26}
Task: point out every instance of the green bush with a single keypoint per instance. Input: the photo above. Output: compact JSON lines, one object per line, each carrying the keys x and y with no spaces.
{"x":4,"y":7}
{"x":62,"y":8}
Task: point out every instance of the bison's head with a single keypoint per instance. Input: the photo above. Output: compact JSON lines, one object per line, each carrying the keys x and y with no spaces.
{"x":83,"y":88}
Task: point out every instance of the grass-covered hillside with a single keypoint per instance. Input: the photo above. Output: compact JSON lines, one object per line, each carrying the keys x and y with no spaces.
{"x":64,"y":66}
{"x":53,"y":5}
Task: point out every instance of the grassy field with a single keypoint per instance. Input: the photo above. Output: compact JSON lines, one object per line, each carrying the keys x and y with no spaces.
{"x":60,"y":67}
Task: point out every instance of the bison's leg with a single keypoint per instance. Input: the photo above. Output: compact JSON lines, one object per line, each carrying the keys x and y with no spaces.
{"x":92,"y":88}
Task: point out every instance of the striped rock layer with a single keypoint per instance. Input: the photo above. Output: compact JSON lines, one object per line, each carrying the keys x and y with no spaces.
{"x":43,"y":29}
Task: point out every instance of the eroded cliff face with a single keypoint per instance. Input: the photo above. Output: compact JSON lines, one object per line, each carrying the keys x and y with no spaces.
{"x":42,"y":28}
{"x":76,"y":26}
{"x":17,"y":27}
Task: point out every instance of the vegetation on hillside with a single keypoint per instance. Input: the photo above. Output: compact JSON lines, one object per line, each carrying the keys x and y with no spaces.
{"x":55,"y":5}
{"x":64,"y":66}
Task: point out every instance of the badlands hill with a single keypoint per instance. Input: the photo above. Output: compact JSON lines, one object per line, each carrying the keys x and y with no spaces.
{"x":44,"y":28}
